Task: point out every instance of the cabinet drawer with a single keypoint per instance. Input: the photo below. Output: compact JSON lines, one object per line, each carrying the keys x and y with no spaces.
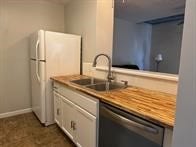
{"x":86,"y":102}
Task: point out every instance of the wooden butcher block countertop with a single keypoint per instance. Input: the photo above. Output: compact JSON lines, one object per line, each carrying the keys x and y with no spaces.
{"x":157,"y":107}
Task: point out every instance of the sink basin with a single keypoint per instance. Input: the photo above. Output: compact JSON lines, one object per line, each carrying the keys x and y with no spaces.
{"x":88,"y":81}
{"x":98,"y":84}
{"x":106,"y":86}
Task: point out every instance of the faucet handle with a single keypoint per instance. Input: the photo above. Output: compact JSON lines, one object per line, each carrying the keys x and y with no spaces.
{"x":110,"y":78}
{"x":125,"y":82}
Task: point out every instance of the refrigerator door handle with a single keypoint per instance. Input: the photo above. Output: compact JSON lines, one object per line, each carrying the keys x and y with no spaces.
{"x":37,"y":61}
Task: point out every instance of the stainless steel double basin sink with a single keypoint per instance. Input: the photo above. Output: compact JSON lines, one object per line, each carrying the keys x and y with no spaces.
{"x":98,"y":84}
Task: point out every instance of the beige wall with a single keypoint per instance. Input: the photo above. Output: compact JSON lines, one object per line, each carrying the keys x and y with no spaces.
{"x":80,"y":18}
{"x":93,"y":19}
{"x":18,"y":19}
{"x":104,"y":28}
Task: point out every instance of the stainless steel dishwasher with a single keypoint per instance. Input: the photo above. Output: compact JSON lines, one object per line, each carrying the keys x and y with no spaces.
{"x":120,"y":129}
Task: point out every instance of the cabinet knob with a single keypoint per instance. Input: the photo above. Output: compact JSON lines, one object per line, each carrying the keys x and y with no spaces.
{"x":54,"y":87}
{"x":58,"y":111}
{"x":74,"y":126}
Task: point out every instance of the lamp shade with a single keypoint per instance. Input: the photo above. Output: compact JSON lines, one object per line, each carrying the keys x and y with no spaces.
{"x":159,"y":58}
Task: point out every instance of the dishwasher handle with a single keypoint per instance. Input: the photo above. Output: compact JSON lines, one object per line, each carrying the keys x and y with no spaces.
{"x":127,"y":122}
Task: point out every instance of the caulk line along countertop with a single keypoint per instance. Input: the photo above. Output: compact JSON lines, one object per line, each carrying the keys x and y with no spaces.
{"x":157,"y":107}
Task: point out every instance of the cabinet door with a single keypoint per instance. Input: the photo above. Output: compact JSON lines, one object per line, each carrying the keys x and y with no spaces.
{"x":85,"y":128}
{"x":68,"y":117}
{"x":57,"y":109}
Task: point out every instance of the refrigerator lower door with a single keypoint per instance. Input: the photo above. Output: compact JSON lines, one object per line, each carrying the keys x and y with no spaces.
{"x":38,"y":89}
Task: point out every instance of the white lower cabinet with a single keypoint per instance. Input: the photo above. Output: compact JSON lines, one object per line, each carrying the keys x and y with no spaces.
{"x":68,"y":117}
{"x":79,"y":124}
{"x":86,"y":128}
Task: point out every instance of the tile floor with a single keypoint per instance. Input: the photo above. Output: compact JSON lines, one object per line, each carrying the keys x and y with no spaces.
{"x":26,"y":131}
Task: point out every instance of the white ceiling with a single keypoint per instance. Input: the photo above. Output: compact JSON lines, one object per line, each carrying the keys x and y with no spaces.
{"x":144,"y":10}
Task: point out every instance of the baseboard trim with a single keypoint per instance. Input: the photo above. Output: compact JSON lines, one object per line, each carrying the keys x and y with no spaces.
{"x":14,"y":113}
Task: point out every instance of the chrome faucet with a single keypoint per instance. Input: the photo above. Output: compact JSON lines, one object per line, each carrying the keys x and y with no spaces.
{"x":109,"y":77}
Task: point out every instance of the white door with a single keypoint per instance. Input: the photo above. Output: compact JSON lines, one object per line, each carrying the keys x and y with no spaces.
{"x":68,"y":117}
{"x":85,"y":128}
{"x":57,"y":109}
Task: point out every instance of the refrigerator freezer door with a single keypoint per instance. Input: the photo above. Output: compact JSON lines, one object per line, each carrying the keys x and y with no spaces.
{"x":38,"y":90}
{"x":37,"y":49}
{"x":62,"y":53}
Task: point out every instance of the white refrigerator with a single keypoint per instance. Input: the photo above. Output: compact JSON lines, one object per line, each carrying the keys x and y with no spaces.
{"x":51,"y":54}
